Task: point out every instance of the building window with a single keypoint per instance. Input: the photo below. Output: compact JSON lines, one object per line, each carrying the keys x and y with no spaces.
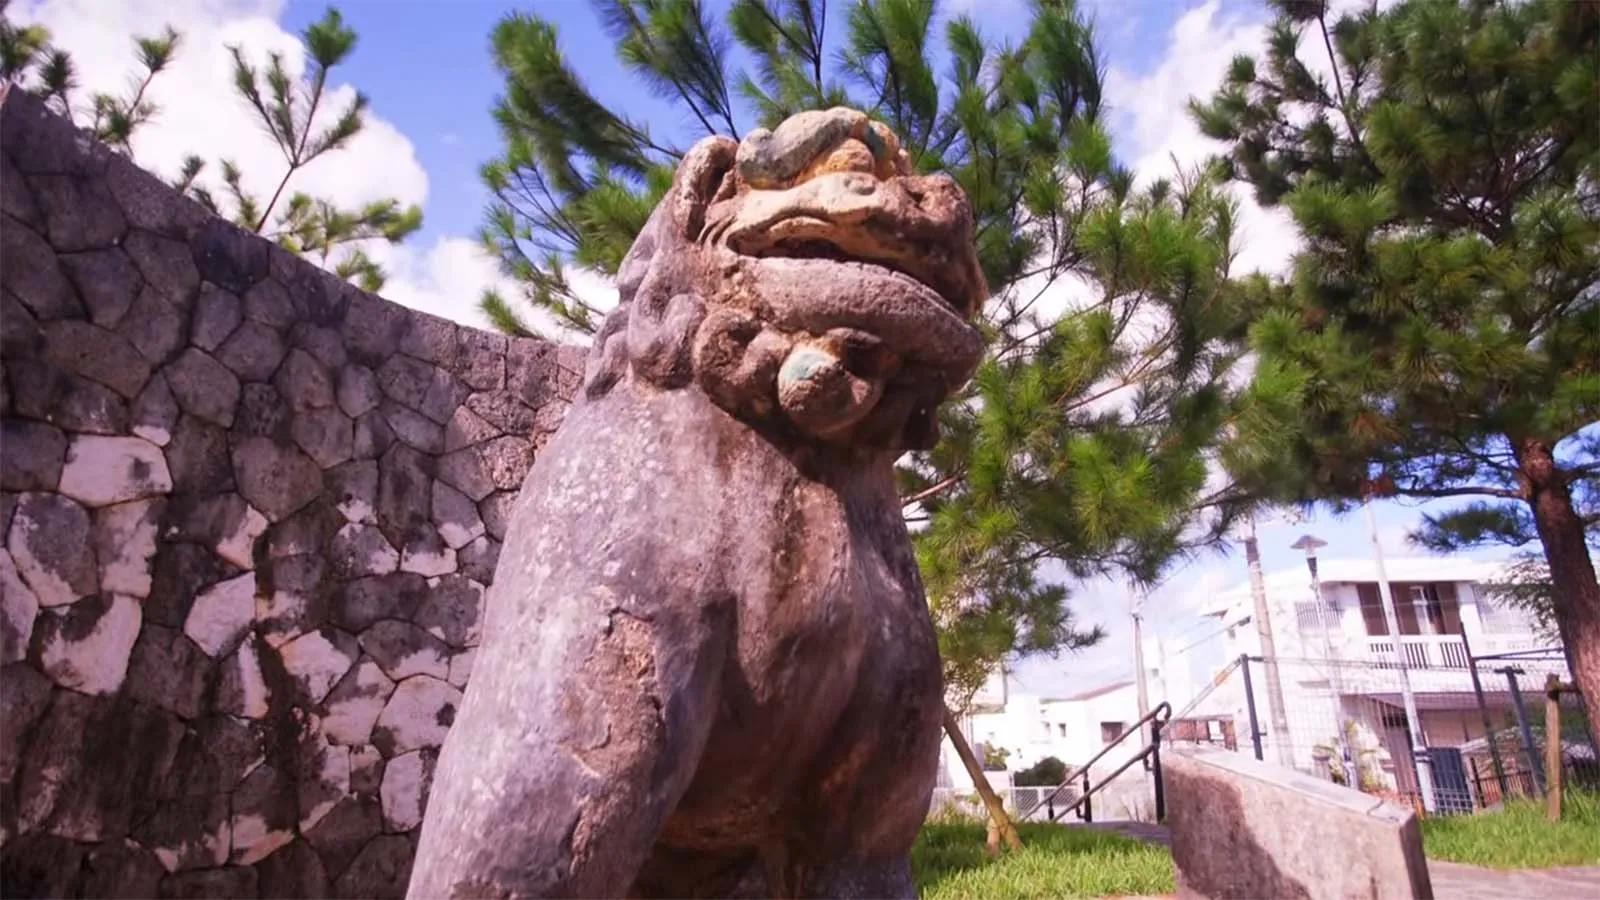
{"x":1499,"y":617}
{"x":1429,"y":611}
{"x":1310,"y":618}
{"x":1110,"y":731}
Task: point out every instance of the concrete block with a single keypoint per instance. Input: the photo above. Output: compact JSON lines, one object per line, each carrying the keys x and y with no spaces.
{"x":1242,"y":828}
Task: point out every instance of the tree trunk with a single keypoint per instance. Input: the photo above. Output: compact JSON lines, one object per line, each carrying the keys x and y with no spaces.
{"x":997,"y":811}
{"x":1572,"y":575}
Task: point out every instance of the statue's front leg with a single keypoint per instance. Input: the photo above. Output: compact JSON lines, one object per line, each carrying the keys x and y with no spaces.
{"x":578,"y":735}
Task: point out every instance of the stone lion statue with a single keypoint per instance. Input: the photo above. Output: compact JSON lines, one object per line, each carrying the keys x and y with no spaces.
{"x":708,"y":667}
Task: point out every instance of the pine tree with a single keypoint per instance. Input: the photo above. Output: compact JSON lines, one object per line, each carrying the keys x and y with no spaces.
{"x":1440,"y":330}
{"x":312,"y":227}
{"x":1086,"y":439}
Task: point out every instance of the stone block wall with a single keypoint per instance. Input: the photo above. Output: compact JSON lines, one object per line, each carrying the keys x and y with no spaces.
{"x":249,"y":515}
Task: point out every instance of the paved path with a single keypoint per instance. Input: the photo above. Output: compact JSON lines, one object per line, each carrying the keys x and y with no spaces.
{"x":1451,"y":881}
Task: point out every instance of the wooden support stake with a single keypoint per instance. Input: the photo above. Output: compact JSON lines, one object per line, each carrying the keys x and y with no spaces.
{"x":1552,"y":748}
{"x":997,"y":810}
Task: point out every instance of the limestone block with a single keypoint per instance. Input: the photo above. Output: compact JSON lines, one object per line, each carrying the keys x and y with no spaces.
{"x":456,"y":516}
{"x":464,"y":470}
{"x":461,"y":667}
{"x":373,"y":436}
{"x":318,"y":659}
{"x":361,"y":550}
{"x":19,"y":608}
{"x":296,"y":603}
{"x":359,"y":392}
{"x":33,"y":274}
{"x":496,"y":512}
{"x":479,"y":559}
{"x":467,"y":428}
{"x":504,"y":411}
{"x":275,"y":479}
{"x":101,"y":471}
{"x":107,"y":280}
{"x":87,"y":647}
{"x":326,"y":435}
{"x":203,"y":387}
{"x":413,"y":428}
{"x":323,"y":343}
{"x":481,"y":359}
{"x":44,"y":392}
{"x":452,"y":610}
{"x":268,"y":303}
{"x":262,"y":413}
{"x":323,"y":778}
{"x":304,"y":381}
{"x":342,"y":833}
{"x":381,"y":869}
{"x":241,"y":688}
{"x":24,"y":695}
{"x":432,"y":340}
{"x":167,"y":266}
{"x":79,"y":212}
{"x":155,"y":327}
{"x":355,"y":703}
{"x":222,"y":614}
{"x":263,"y":814}
{"x":1242,"y":828}
{"x":405,"y":789}
{"x":197,"y":457}
{"x":354,"y":488}
{"x":404,"y":650}
{"x":507,"y":460}
{"x":418,"y":715}
{"x":366,"y":770}
{"x":168,"y":670}
{"x":155,"y":412}
{"x":427,"y":554}
{"x":33,"y":455}
{"x":125,"y":544}
{"x":51,"y":545}
{"x":293,"y":871}
{"x":233,"y":881}
{"x":216,"y":315}
{"x":365,"y":601}
{"x":253,"y":351}
{"x":102,"y":356}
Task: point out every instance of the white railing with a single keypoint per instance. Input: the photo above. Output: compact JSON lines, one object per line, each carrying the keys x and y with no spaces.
{"x":1419,"y":651}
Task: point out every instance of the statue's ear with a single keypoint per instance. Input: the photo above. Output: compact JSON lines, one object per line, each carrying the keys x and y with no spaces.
{"x":705,"y":171}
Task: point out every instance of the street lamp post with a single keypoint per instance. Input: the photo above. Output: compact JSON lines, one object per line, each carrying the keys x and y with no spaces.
{"x":1422,"y":762}
{"x":1310,"y":544}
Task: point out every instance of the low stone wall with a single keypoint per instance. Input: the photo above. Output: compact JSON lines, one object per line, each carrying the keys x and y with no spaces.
{"x":249,"y":514}
{"x":1242,"y":828}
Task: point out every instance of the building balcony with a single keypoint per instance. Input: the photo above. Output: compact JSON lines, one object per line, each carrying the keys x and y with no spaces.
{"x":1418,"y":651}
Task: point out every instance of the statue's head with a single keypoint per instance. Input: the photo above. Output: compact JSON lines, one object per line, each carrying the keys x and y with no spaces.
{"x":805,"y":278}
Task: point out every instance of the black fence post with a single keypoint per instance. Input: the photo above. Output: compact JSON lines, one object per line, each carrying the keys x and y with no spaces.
{"x":1155,"y":764}
{"x":1250,"y":705}
{"x":1488,"y":720}
{"x":1088,"y":801}
{"x":1535,"y":765}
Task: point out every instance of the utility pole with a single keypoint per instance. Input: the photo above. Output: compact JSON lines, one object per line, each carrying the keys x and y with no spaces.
{"x":1419,"y":750}
{"x":1269,"y":649}
{"x":1136,"y":611}
{"x":1310,"y":543}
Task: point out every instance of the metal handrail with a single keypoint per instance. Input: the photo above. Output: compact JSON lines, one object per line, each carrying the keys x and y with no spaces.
{"x":1158,"y":717}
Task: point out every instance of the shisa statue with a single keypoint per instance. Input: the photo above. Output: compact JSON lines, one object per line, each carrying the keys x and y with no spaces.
{"x":708,"y":667}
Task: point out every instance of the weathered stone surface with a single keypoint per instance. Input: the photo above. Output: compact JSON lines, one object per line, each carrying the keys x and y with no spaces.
{"x":507,"y":460}
{"x":155,"y":412}
{"x":122,"y":871}
{"x":102,"y":356}
{"x":168,"y":670}
{"x":481,"y":359}
{"x":253,"y":351}
{"x":361,"y":550}
{"x":79,"y":212}
{"x":359,"y":392}
{"x":203,"y":387}
{"x":24,"y":695}
{"x":155,"y":327}
{"x":227,"y":257}
{"x":464,"y":470}
{"x":50,"y":544}
{"x":32,"y":273}
{"x":106,"y":280}
{"x":373,"y":436}
{"x":19,"y":608}
{"x":297,"y":602}
{"x":466,"y":428}
{"x":101,"y":470}
{"x":529,"y":367}
{"x":367,"y":600}
{"x":94,"y":766}
{"x":125,"y":545}
{"x":432,"y":340}
{"x":503,"y":411}
{"x":381,"y":870}
{"x":479,"y":559}
{"x":269,"y":304}
{"x":216,"y":315}
{"x":456,"y":516}
{"x":372,"y":328}
{"x":451,"y":610}
{"x":202,"y":884}
{"x":318,"y":659}
{"x":190,"y":831}
{"x":326,"y":435}
{"x":496,"y":511}
{"x":16,"y":200}
{"x":418,"y":715}
{"x":461,"y":667}
{"x":167,"y":266}
{"x":242,"y":687}
{"x":413,"y":428}
{"x":222,"y":614}
{"x":87,"y":647}
{"x":41,"y":865}
{"x":418,"y":386}
{"x":354,"y":487}
{"x":32,"y":457}
{"x":404,"y":650}
{"x":406,"y":780}
{"x":366,"y":770}
{"x":426,"y":554}
{"x":307,"y":531}
{"x":263,"y":817}
{"x":275,"y":479}
{"x":66,"y":400}
{"x":355,"y":703}
{"x":405,"y":494}
{"x":1244,"y":828}
{"x":294,"y":873}
{"x":304,"y":381}
{"x":197,"y":457}
{"x":149,"y":203}
{"x":353,"y":822}
{"x":181,"y":571}
{"x":323,"y":343}
{"x":323,"y":776}
{"x":262,"y":413}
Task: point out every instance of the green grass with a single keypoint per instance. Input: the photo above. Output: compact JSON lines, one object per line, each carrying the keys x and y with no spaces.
{"x":949,"y":862}
{"x":1519,"y":836}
